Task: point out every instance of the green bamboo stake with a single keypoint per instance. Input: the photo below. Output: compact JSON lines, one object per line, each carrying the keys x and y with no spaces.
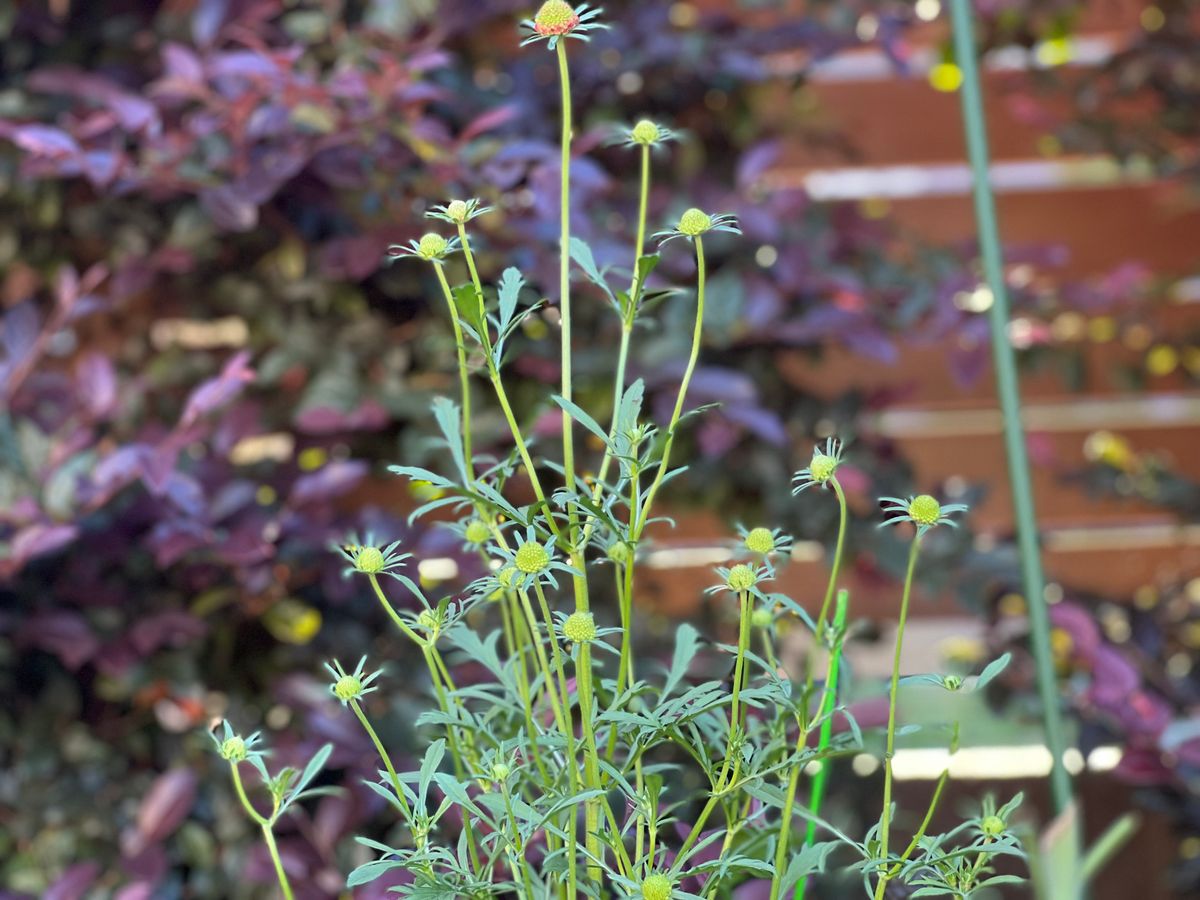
{"x":1010,"y":402}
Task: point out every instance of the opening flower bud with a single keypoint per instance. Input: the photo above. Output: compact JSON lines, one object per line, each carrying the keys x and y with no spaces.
{"x":477,"y":532}
{"x":621,"y":553}
{"x":555,"y":17}
{"x":580,"y":628}
{"x":694,"y":222}
{"x":741,"y":578}
{"x":531,"y":558}
{"x":500,"y":771}
{"x":993,"y":826}
{"x":822,"y":467}
{"x":348,"y":688}
{"x":761,"y":541}
{"x":369,"y":560}
{"x":645,"y":132}
{"x":233,"y":749}
{"x":925,"y":510}
{"x":657,"y":887}
{"x":432,"y":246}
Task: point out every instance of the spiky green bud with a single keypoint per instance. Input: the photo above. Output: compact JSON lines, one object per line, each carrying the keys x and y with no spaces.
{"x":531,"y":558}
{"x":761,"y":541}
{"x":925,"y":510}
{"x":432,"y":246}
{"x":993,"y":826}
{"x":645,"y":132}
{"x":822,"y":467}
{"x":741,"y":578}
{"x":233,"y":749}
{"x":657,"y":887}
{"x":348,"y":688}
{"x":369,"y":560}
{"x":457,"y":211}
{"x":477,"y":532}
{"x":580,"y":628}
{"x":694,"y":222}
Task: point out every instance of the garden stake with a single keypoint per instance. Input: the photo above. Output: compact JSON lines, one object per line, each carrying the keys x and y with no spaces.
{"x":1010,"y":403}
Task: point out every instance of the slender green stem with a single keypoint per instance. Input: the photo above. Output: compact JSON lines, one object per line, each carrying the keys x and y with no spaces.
{"x":885,"y":821}
{"x":241,"y":793}
{"x":269,"y":838}
{"x":564,"y":268}
{"x":1004,"y":360}
{"x":739,"y":674}
{"x":383,"y":755}
{"x":839,"y":547}
{"x":464,"y":373}
{"x":643,"y":515}
{"x":470,"y":258}
{"x":828,"y":702}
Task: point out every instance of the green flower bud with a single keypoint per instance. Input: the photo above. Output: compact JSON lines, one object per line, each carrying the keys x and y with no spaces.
{"x":924,"y":510}
{"x":621,"y":553}
{"x":457,"y":211}
{"x":429,"y":620}
{"x":657,"y":887}
{"x":694,"y":222}
{"x":531,"y":558}
{"x":507,"y":576}
{"x":993,"y":826}
{"x":432,"y":246}
{"x":580,"y":628}
{"x":348,"y":688}
{"x":369,"y":560}
{"x":500,"y":771}
{"x":233,"y":749}
{"x":645,"y":132}
{"x":822,"y":467}
{"x":952,"y":682}
{"x":762,"y":618}
{"x":741,"y":578}
{"x":761,"y":541}
{"x":477,"y":532}
{"x":555,"y":17}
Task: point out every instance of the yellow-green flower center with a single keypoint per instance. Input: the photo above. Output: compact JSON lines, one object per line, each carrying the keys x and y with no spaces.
{"x":694,"y":222}
{"x":477,"y":532}
{"x":234,"y":749}
{"x":993,"y":826}
{"x":555,"y":17}
{"x":432,"y":246}
{"x":657,"y":887}
{"x":507,"y":576}
{"x":531,"y":558}
{"x":456,"y":210}
{"x":369,"y":560}
{"x":347,"y":688}
{"x":924,"y":510}
{"x":741,"y":578}
{"x":580,"y":627}
{"x":822,"y":467}
{"x":761,"y":540}
{"x":645,"y":132}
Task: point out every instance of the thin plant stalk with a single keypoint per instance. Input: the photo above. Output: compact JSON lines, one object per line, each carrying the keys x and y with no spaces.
{"x":885,"y":821}
{"x":383,"y":756}
{"x":464,"y":373}
{"x":564,"y":268}
{"x":828,"y":702}
{"x":267,"y":825}
{"x":701,"y":277}
{"x":1004,"y":360}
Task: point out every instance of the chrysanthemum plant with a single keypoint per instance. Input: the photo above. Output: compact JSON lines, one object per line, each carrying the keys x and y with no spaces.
{"x":563,"y":770}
